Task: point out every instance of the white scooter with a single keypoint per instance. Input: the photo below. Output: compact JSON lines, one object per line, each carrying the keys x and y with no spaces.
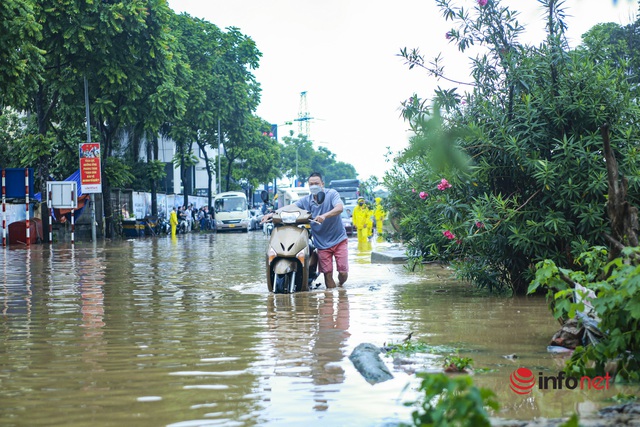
{"x":291,"y":259}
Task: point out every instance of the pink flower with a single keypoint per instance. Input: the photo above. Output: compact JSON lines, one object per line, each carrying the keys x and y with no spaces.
{"x":413,"y":190}
{"x":482,"y":2}
{"x":444,"y":184}
{"x":479,"y":224}
{"x":449,"y":235}
{"x":459,"y":241}
{"x":423,"y":195}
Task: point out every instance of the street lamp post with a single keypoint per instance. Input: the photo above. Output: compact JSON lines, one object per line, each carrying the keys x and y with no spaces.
{"x":91,"y":199}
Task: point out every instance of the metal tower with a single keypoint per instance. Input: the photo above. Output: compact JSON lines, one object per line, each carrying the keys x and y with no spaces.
{"x":303,"y":116}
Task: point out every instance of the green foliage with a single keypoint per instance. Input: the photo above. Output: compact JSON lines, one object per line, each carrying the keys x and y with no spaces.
{"x":452,"y":401}
{"x":573,"y":421}
{"x":368,"y":186}
{"x":298,"y":154}
{"x":12,"y":132}
{"x":149,"y":72}
{"x":221,"y":87}
{"x":22,"y":60}
{"x":623,"y":398}
{"x":118,"y":172}
{"x":414,"y":262}
{"x":412,"y":347}
{"x":22,"y":146}
{"x":155,"y":170}
{"x":259,"y":155}
{"x":457,"y":363}
{"x":521,"y":149}
{"x":617,"y":287}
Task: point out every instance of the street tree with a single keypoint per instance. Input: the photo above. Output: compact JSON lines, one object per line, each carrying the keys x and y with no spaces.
{"x":261,"y":163}
{"x":163,"y":101}
{"x":128,"y":41}
{"x":248,"y":144}
{"x":298,"y":154}
{"x":324,"y":160}
{"x":525,"y":178}
{"x":220,"y":88}
{"x":22,"y":60}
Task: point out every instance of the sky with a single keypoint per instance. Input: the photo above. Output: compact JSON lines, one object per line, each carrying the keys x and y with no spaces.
{"x":344,"y":55}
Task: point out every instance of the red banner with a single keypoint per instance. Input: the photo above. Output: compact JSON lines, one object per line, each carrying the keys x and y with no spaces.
{"x":90,"y":174}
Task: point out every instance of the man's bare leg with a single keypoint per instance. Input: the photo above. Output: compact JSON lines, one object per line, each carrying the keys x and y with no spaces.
{"x":342,"y":277}
{"x":328,"y":280}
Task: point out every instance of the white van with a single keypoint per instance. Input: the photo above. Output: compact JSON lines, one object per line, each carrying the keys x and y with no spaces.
{"x":287,"y":196}
{"x":231,"y":212}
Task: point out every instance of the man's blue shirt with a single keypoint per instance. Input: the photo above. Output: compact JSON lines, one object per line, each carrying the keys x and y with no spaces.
{"x":331,"y":231}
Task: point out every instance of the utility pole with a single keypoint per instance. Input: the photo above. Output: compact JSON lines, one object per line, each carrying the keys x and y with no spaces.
{"x":303,"y":116}
{"x":91,"y":200}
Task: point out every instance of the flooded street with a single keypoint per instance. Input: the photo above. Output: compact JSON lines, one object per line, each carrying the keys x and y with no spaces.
{"x":182,"y":332}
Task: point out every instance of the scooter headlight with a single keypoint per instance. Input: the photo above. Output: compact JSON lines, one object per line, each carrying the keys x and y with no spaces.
{"x":301,"y":256}
{"x":271,"y":255}
{"x":289,"y":217}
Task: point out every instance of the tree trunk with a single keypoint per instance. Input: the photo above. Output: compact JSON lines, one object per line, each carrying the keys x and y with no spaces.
{"x":42,"y":171}
{"x":107,"y":144}
{"x":623,"y":216}
{"x":207,"y":165}
{"x":152,"y":154}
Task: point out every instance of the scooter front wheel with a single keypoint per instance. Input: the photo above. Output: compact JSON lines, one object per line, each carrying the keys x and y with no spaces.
{"x":283,"y":283}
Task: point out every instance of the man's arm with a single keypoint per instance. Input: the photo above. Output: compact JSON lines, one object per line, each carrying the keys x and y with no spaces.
{"x":337,"y":210}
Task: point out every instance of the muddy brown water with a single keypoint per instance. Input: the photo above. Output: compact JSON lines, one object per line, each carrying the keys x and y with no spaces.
{"x":182,"y":332}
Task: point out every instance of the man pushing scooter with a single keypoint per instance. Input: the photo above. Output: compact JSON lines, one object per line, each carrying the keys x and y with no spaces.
{"x":329,"y":235}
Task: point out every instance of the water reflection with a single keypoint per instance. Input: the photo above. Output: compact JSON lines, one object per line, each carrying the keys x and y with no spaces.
{"x":91,"y":284}
{"x":305,"y":344}
{"x":333,"y":331}
{"x":181,"y":331}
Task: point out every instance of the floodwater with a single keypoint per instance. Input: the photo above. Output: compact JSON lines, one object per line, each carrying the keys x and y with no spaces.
{"x":182,"y":332}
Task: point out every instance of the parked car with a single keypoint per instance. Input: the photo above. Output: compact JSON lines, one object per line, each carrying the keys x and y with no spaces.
{"x":346,"y":221}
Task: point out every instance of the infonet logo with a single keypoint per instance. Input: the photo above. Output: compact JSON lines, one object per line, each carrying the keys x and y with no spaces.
{"x":522,"y":381}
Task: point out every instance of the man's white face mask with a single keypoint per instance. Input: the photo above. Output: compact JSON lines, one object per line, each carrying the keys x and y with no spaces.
{"x":315,"y":189}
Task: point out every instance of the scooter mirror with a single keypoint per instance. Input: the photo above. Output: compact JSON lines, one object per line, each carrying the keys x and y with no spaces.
{"x":264,"y":196}
{"x":320,"y":197}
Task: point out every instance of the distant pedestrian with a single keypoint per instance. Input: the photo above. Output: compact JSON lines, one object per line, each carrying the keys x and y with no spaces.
{"x":173,"y":220}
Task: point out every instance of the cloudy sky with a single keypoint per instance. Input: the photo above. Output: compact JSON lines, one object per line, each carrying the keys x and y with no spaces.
{"x":343,"y":54}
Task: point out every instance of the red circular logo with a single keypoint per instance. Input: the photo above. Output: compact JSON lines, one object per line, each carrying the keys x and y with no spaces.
{"x":522,"y":381}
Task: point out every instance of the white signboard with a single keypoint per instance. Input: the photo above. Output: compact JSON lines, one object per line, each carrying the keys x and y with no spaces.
{"x":62,"y":194}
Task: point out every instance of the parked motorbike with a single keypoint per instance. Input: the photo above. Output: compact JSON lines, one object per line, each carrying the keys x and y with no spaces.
{"x":291,"y":259}
{"x":163,"y":226}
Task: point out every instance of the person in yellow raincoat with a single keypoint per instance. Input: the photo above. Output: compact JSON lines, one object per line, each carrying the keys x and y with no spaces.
{"x":173,"y":220}
{"x":361,"y":219}
{"x":369,"y":219}
{"x":379,"y":213}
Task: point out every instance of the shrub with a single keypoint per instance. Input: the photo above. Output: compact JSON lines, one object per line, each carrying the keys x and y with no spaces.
{"x":452,"y":401}
{"x":617,"y":306}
